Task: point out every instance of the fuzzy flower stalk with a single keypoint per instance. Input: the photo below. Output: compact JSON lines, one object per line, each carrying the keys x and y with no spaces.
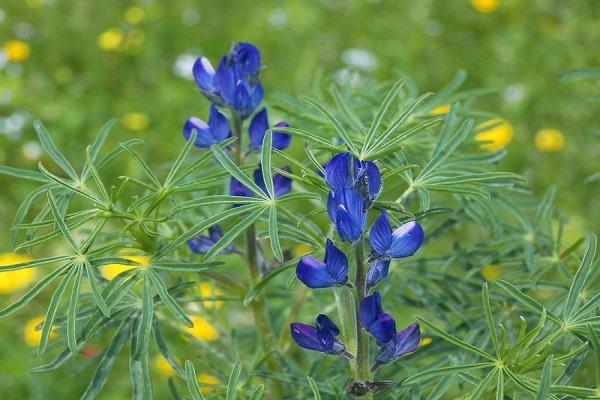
{"x":354,"y":187}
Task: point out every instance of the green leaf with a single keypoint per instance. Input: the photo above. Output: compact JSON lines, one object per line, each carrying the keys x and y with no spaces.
{"x":23,"y":210}
{"x":106,"y":363}
{"x":500,"y":385}
{"x":189,"y":144}
{"x":454,"y":340}
{"x":444,"y":371}
{"x":581,"y":277}
{"x":214,"y":200}
{"x":351,"y":117}
{"x":232,"y":233}
{"x":96,"y":177}
{"x":529,"y":302}
{"x":31,"y":293}
{"x":378,"y":119}
{"x":68,"y":185}
{"x":72,"y":313}
{"x":595,"y":340}
{"x":192,"y":382}
{"x":490,"y":319}
{"x":23,"y":174}
{"x":96,"y":146}
{"x":50,"y":148}
{"x":546,"y":379}
{"x":190,"y":267}
{"x":52,"y":310}
{"x":338,"y":127}
{"x":483,"y":385}
{"x":265,"y":160}
{"x":61,"y":223}
{"x":258,"y":392}
{"x":145,"y":325}
{"x":234,"y":377}
{"x":255,"y":291}
{"x":167,"y":299}
{"x":96,"y":292}
{"x":312,"y":137}
{"x":164,"y":350}
{"x":314,"y":388}
{"x":274,"y":233}
{"x":235,"y":171}
{"x":142,"y":163}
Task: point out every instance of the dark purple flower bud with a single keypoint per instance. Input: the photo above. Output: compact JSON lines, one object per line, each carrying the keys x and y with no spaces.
{"x":202,"y":244}
{"x":259,"y":125}
{"x":320,"y":338}
{"x":380,"y":325}
{"x":204,"y":75}
{"x":403,"y":342}
{"x":403,"y":242}
{"x":345,"y":209}
{"x":333,"y":271}
{"x":237,"y":92}
{"x":237,"y":188}
{"x":246,"y":58}
{"x":281,"y":183}
{"x":216,"y":131}
{"x":346,"y":172}
{"x":377,"y":272}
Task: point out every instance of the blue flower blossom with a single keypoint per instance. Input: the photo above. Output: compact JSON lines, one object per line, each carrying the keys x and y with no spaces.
{"x":216,"y":131}
{"x":201,"y":244}
{"x":345,"y":209}
{"x":333,"y":271}
{"x":259,"y":125}
{"x":402,"y":242}
{"x":235,"y":83}
{"x":377,"y":272}
{"x":346,"y":172}
{"x":379,"y":324}
{"x":320,"y":338}
{"x":282,"y":184}
{"x":403,"y":342}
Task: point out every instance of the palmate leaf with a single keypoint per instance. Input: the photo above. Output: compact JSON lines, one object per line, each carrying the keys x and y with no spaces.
{"x":192,"y":383}
{"x":145,"y":322}
{"x":167,"y":299}
{"x":236,"y":172}
{"x":265,"y":161}
{"x":581,"y":277}
{"x":50,"y":148}
{"x":232,"y":384}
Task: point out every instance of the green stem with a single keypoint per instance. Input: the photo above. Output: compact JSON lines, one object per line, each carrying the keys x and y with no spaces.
{"x":362,"y":344}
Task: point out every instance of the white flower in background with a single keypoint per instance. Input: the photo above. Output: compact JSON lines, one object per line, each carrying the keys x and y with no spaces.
{"x":190,"y":17}
{"x":13,"y":125}
{"x":433,"y":28}
{"x":278,"y":18}
{"x":6,"y":95}
{"x":514,"y":93}
{"x":3,"y":59}
{"x":360,"y":58}
{"x":2,"y":15}
{"x":347,"y":77}
{"x":183,"y":65}
{"x":32,"y":150}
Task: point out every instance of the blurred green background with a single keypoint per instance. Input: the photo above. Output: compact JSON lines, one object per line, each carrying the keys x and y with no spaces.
{"x":75,"y":64}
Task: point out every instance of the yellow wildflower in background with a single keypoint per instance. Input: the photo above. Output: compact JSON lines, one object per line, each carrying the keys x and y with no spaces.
{"x":206,"y":289}
{"x":135,"y":121}
{"x":202,"y":329}
{"x":109,"y":271}
{"x":207,"y":379}
{"x":439,"y":110}
{"x":485,"y":6}
{"x":491,"y":272}
{"x":32,"y":335}
{"x":549,"y":140}
{"x":110,"y":39}
{"x":426,"y":341}
{"x":16,"y":50}
{"x":163,"y":366}
{"x":302,"y":249}
{"x":17,"y":279}
{"x":35,"y":3}
{"x":497,"y":133}
{"x":135,"y":15}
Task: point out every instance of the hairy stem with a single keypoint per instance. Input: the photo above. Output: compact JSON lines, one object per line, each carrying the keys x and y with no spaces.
{"x":362,"y":346}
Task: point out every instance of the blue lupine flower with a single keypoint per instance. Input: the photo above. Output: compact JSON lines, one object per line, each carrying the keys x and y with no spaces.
{"x":346,"y":172}
{"x":201,"y":244}
{"x":333,"y":271}
{"x":216,"y":131}
{"x":380,"y":325}
{"x":377,"y":272}
{"x":402,"y":242}
{"x":320,"y":338}
{"x":282,"y":184}
{"x":403,"y":342}
{"x":345,"y":209}
{"x":235,"y":82}
{"x":258,"y":127}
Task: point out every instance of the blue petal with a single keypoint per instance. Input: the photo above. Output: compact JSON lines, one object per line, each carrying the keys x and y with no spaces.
{"x":204,"y":72}
{"x":326,"y":324}
{"x":405,"y":341}
{"x":383,"y":328}
{"x":201,"y":244}
{"x":380,"y":235}
{"x":219,"y":125}
{"x":337,"y":172}
{"x":281,"y":183}
{"x":258,"y":126}
{"x":350,"y":216}
{"x":378,"y":271}
{"x":374,"y":179}
{"x":312,"y":273}
{"x":247,"y":58}
{"x":203,"y":136}
{"x":224,"y":81}
{"x":347,"y":228}
{"x":255,"y":97}
{"x":336,"y":263}
{"x":306,"y":336}
{"x":237,"y":188}
{"x":215,"y":232}
{"x":281,"y":140}
{"x":370,"y":309}
{"x":332,"y":206}
{"x":407,"y":239}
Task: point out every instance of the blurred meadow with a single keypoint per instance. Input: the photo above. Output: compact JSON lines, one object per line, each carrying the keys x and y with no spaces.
{"x":76,"y":64}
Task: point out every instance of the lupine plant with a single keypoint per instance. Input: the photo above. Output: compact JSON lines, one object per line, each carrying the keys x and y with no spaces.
{"x":382,"y":236}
